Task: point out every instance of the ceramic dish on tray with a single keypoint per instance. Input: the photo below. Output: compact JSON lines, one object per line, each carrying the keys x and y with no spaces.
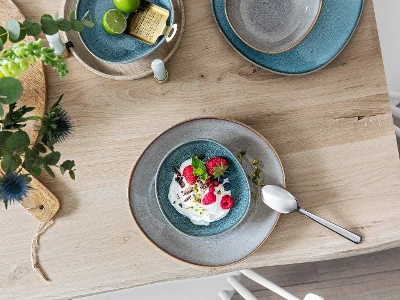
{"x":115,"y":48}
{"x":272,"y":26}
{"x":239,"y":191}
{"x":211,"y":251}
{"x":335,"y":26}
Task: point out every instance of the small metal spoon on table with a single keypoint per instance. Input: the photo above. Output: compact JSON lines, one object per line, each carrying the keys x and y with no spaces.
{"x":282,"y":201}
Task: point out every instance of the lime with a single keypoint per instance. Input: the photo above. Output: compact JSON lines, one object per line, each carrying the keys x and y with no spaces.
{"x":114,"y":21}
{"x":127,"y":6}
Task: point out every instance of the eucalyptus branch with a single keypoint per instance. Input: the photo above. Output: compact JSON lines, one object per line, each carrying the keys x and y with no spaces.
{"x":16,"y":31}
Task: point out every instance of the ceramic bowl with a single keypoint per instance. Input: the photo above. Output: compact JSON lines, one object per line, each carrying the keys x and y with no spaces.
{"x":115,"y":49}
{"x":333,"y":30}
{"x":237,"y":177}
{"x":272,"y":26}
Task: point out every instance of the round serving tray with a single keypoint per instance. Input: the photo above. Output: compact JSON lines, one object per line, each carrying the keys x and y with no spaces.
{"x":124,"y":71}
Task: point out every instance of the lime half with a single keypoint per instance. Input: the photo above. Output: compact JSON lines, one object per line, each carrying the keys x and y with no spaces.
{"x":114,"y":21}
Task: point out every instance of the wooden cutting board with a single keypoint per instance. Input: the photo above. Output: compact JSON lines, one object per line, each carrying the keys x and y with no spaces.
{"x":34,"y":94}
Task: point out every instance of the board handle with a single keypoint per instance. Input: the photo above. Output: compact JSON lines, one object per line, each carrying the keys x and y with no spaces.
{"x":40,"y":202}
{"x":170,"y":32}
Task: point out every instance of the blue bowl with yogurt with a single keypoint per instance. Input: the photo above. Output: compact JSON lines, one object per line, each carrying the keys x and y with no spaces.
{"x":179,"y":200}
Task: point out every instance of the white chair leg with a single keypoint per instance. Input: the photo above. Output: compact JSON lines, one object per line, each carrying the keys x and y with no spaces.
{"x":245,"y":293}
{"x":268,"y":284}
{"x":224,"y":296}
{"x":313,"y":297}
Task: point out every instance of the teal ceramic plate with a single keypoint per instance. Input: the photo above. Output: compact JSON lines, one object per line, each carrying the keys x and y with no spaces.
{"x":335,"y":26}
{"x":227,"y":247}
{"x":115,"y":48}
{"x":237,"y":177}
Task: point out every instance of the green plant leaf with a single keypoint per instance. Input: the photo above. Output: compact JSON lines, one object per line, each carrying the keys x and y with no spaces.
{"x":46,"y":16}
{"x":204,"y":177}
{"x":72,"y":15}
{"x":1,"y":108}
{"x":4,"y":135}
{"x":3,"y":35}
{"x":49,"y":170}
{"x":62,"y":170}
{"x":13,"y":28}
{"x":21,"y":36}
{"x":32,"y":28}
{"x":17,"y":142}
{"x":68,"y":164}
{"x":198,"y":166}
{"x":10,"y":163}
{"x":39,"y":161}
{"x":10,"y":90}
{"x":36,"y":171}
{"x":52,"y":158}
{"x":88,"y":23}
{"x":72,"y":175}
{"x":64,"y":25}
{"x":35,"y":153}
{"x":28,"y":160}
{"x":77,"y":25}
{"x":49,"y":26}
{"x":41,"y":148}
{"x":28,"y":23}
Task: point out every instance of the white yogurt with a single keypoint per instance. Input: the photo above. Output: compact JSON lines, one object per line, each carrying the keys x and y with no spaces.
{"x":185,"y":203}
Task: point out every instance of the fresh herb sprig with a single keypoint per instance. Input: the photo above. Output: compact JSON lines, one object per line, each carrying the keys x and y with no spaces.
{"x":16,"y":31}
{"x":199,"y":169}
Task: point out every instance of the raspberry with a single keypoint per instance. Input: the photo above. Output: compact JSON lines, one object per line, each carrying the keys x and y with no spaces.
{"x":209,"y":198}
{"x":215,"y":183}
{"x":188,"y":174}
{"x":216,"y":166}
{"x":208,"y":180}
{"x":211,"y":189}
{"x":226,"y":202}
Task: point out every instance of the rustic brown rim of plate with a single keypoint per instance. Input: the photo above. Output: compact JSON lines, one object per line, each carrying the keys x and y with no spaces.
{"x":281,"y":51}
{"x":172,"y":127}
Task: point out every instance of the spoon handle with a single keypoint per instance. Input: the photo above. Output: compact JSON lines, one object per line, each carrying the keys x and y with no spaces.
{"x":336,"y":228}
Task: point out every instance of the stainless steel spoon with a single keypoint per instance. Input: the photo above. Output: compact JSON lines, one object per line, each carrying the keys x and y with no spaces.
{"x":282,"y":201}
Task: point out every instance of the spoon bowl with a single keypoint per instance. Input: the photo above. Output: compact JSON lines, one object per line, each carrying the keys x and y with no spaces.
{"x":279,"y":199}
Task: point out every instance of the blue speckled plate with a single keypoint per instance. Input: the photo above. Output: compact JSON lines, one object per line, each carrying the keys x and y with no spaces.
{"x":115,"y":48}
{"x":218,"y":250}
{"x":237,"y":177}
{"x":335,"y":26}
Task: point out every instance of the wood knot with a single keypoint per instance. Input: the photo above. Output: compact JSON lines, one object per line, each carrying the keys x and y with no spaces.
{"x":19,"y":272}
{"x":125,"y":238}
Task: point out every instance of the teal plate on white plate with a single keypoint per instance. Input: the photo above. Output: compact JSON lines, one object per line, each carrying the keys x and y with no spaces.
{"x":115,"y":48}
{"x":334,"y":28}
{"x":227,"y":247}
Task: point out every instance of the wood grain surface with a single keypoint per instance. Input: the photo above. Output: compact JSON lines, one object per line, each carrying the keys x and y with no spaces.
{"x":332,"y":129}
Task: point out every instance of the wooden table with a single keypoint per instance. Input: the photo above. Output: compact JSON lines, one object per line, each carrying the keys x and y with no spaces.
{"x":332,"y":129}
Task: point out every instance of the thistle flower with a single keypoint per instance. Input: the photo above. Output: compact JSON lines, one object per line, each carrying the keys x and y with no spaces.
{"x":13,"y":187}
{"x":56,"y":125}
